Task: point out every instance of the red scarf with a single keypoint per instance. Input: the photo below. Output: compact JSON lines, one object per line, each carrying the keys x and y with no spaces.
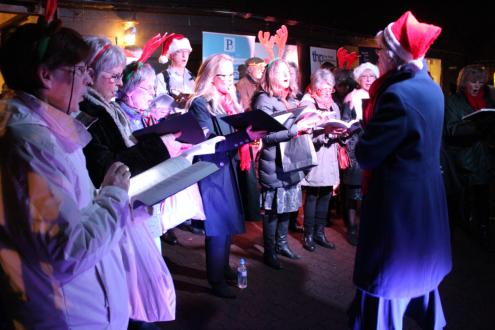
{"x":227,"y":105}
{"x":476,"y":102}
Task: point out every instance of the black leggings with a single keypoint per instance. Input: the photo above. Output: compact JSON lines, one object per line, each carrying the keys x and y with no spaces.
{"x":316,"y":206}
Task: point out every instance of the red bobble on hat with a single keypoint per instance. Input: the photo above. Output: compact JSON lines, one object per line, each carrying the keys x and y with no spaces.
{"x":409,"y":38}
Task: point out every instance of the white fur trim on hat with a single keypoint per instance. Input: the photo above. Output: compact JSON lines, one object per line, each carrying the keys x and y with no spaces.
{"x":394,"y":45}
{"x":179,"y":44}
{"x":163,"y":59}
{"x":359,"y":70}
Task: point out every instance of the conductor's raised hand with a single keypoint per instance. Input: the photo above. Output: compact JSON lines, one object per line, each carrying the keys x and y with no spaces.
{"x":118,"y":175}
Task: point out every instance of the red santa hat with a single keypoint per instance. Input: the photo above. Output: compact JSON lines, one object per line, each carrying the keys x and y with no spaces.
{"x":173,"y":43}
{"x":410,"y":39}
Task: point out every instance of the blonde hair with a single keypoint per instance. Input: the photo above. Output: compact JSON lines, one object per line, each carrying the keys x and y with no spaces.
{"x":269,"y":83}
{"x":471,"y":73}
{"x":203,"y":86}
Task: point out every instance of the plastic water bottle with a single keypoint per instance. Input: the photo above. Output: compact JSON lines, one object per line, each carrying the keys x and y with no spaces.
{"x":242,"y":274}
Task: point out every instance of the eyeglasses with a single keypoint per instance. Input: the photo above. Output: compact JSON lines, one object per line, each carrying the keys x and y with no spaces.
{"x":150,"y":91}
{"x":79,"y":70}
{"x":325,"y":90}
{"x":365,"y":76}
{"x":225,"y":76}
{"x":114,"y":77}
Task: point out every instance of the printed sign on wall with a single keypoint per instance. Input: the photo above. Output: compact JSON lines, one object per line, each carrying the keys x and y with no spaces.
{"x":368,"y":54}
{"x":240,"y":47}
{"x":318,"y":56}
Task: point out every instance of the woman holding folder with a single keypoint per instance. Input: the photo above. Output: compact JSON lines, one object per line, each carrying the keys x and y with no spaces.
{"x":214,"y":97}
{"x":280,"y":191}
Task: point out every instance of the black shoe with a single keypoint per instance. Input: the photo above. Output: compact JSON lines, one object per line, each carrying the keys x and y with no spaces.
{"x":320,"y":238}
{"x":323,"y":241}
{"x":286,"y":252}
{"x":170,"y":238}
{"x":231,"y":276}
{"x":191,"y":228}
{"x":197,"y":231}
{"x":308,"y":243}
{"x":352,"y":237}
{"x":223,"y":291}
{"x":271,"y":260}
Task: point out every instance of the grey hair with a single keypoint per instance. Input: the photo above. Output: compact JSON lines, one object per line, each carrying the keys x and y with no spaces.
{"x":136,"y":77}
{"x":106,"y":60}
{"x":393,"y":57}
{"x":322,"y":76}
{"x":162,"y":101}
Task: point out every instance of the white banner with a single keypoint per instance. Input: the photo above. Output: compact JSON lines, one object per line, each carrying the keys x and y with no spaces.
{"x":318,"y":56}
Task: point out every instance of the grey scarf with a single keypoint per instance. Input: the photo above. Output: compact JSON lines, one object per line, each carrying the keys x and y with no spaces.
{"x":118,"y":115}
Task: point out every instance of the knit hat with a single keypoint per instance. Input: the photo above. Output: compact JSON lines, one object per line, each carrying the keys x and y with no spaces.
{"x":359,"y":70}
{"x":410,"y":39}
{"x":174,"y":43}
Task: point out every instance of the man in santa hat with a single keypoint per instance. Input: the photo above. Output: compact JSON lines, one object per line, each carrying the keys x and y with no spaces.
{"x":176,"y":80}
{"x":404,"y":244}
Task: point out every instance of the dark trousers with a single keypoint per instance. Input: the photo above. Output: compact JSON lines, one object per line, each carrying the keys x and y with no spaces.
{"x":217,"y":258}
{"x":470,"y":207}
{"x":480,"y":204}
{"x":316,"y":207}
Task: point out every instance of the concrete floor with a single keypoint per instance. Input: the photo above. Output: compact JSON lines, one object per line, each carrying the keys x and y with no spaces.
{"x":315,"y":291}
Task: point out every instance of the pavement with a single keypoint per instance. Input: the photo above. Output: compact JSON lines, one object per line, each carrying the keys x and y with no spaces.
{"x":315,"y":291}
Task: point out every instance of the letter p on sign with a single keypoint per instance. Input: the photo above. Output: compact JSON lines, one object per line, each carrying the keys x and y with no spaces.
{"x":229,"y":45}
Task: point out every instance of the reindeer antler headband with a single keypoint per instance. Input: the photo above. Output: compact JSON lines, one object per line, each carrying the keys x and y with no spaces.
{"x":49,"y":26}
{"x":279,"y":40}
{"x":346,"y":60}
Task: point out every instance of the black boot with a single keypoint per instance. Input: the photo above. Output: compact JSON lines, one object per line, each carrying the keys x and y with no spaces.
{"x":282,"y":246}
{"x":270,"y":259}
{"x":308,"y":242}
{"x":223,"y":291}
{"x":269,"y":230}
{"x":352,"y":237}
{"x":293,"y":226}
{"x":321,"y":239}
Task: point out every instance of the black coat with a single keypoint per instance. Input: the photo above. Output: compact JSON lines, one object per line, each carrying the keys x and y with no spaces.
{"x":270,"y":172}
{"x":468,"y":151}
{"x":107,"y":146}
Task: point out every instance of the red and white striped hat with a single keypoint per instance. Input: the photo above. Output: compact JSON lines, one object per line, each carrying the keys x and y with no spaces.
{"x":410,"y":39}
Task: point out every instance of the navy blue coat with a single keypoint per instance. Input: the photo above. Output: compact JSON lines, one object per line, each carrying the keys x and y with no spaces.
{"x":404,"y":242}
{"x":220,"y":191}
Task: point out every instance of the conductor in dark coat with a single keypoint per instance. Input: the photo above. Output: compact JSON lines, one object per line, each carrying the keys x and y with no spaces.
{"x":404,"y":246}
